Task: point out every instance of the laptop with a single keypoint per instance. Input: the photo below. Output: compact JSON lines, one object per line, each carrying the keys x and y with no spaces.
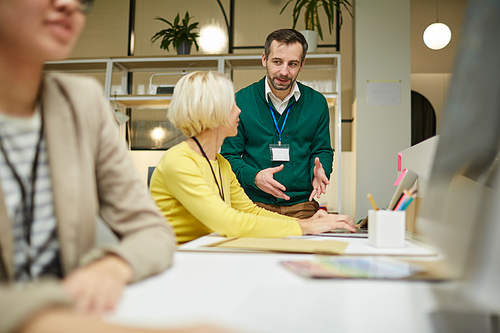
{"x":360,"y":233}
{"x":406,"y":182}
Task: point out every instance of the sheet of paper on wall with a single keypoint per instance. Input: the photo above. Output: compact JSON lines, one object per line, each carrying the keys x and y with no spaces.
{"x":383,"y":93}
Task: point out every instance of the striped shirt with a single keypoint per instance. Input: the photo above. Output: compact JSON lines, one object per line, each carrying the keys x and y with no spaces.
{"x":19,"y":139}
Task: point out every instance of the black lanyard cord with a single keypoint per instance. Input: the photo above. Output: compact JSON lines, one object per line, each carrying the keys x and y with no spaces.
{"x":221,"y":188}
{"x":28,"y":208}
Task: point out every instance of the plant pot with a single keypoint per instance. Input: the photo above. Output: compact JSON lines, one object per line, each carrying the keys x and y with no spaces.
{"x":311,"y":38}
{"x":184,"y":48}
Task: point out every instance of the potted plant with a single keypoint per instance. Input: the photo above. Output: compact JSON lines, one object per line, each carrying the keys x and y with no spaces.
{"x":311,"y":17}
{"x":180,"y":34}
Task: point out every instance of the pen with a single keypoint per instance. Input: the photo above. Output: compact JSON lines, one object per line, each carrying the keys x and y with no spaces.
{"x":397,"y":202}
{"x":403,"y":203}
{"x":372,"y":201}
{"x":402,"y":200}
{"x":408,"y":202}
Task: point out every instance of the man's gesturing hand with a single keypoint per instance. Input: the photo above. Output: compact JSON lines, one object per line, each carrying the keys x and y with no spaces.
{"x":319,"y":181}
{"x":266,"y":182}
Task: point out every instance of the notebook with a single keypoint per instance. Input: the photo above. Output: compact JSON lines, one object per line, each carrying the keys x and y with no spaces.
{"x":406,"y":183}
{"x":353,"y":268}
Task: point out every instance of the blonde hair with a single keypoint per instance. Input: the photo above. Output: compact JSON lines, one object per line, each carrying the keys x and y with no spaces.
{"x":201,"y":100}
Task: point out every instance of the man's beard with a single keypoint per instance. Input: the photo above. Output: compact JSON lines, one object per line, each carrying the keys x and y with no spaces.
{"x":275,"y":86}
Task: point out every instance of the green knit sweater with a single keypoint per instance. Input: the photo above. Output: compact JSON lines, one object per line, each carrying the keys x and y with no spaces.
{"x":306,"y":132}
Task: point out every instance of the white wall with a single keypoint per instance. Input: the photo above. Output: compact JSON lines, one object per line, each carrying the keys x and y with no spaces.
{"x":382,"y":53}
{"x":347,"y":191}
{"x":143,"y":159}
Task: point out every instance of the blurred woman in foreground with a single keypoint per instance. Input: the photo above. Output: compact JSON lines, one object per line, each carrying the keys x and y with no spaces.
{"x":62,"y":164}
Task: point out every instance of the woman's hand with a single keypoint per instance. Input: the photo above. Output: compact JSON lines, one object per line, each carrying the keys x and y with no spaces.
{"x":323,"y":222}
{"x":319,"y":213}
{"x":97,"y":287}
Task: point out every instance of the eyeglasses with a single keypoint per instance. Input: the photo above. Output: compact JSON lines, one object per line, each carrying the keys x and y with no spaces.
{"x":86,"y":6}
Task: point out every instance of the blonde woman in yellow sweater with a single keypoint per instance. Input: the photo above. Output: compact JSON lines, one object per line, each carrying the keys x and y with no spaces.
{"x":195,"y":187}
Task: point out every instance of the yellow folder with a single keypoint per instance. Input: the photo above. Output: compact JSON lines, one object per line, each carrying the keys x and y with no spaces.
{"x":283,"y":245}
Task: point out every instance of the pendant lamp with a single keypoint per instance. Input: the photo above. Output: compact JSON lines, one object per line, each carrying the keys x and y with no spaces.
{"x":437,"y":35}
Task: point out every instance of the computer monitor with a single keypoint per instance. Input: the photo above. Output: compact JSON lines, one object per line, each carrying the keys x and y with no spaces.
{"x":461,"y":209}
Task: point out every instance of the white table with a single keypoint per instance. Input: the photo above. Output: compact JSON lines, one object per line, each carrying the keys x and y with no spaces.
{"x":251,"y":292}
{"x":356,"y":246}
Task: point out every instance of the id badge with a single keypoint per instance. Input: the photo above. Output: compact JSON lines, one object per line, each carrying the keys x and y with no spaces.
{"x":279,"y":153}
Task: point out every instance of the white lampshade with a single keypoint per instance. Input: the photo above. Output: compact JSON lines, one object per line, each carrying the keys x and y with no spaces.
{"x":437,"y":36}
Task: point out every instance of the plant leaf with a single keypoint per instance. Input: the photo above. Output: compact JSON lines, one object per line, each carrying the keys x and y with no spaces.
{"x":162,"y":19}
{"x":178,"y":32}
{"x":311,"y":18}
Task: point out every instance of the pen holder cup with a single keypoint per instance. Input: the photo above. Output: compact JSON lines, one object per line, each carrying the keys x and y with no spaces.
{"x":386,"y":228}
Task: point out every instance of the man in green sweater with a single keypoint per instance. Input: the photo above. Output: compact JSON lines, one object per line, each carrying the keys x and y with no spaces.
{"x":282,"y":154}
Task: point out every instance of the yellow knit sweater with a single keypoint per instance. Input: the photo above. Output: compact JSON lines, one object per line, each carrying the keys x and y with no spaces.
{"x":184,"y":188}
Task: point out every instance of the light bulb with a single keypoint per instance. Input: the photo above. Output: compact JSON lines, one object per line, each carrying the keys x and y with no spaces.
{"x":437,"y":36}
{"x":157,"y":134}
{"x":212,"y":39}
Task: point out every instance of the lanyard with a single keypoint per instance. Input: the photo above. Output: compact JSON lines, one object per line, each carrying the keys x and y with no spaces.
{"x":221,"y":188}
{"x":28,"y":207}
{"x":276,"y":123}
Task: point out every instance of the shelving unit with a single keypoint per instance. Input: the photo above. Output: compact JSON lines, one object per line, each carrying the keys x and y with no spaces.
{"x":221,"y":63}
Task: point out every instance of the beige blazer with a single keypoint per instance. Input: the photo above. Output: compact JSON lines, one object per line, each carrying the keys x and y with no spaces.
{"x":91,"y":174}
